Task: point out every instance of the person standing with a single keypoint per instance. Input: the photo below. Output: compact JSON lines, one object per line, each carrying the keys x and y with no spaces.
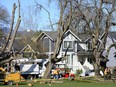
{"x":55,"y":72}
{"x":107,"y":73}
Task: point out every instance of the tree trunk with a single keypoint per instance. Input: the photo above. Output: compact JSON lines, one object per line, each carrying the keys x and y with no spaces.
{"x":97,"y":62}
{"x":48,"y":69}
{"x":97,"y":69}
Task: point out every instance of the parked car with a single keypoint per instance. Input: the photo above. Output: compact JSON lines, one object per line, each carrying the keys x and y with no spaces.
{"x":91,"y":73}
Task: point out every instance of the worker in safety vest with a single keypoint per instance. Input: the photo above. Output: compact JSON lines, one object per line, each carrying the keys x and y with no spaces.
{"x":55,"y":73}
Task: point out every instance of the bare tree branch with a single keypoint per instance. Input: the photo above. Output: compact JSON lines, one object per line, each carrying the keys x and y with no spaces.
{"x":15,"y":29}
{"x":40,"y":6}
{"x":11,"y":28}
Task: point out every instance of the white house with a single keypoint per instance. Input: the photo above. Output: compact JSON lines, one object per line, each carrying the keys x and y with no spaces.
{"x":78,"y":55}
{"x":75,"y":46}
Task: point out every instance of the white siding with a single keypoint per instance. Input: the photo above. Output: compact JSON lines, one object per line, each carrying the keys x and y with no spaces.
{"x":112,"y":59}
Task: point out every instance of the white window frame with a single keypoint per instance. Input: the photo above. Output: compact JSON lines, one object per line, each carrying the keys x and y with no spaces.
{"x":67,"y":43}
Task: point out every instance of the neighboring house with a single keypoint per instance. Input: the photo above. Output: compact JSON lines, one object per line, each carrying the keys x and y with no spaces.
{"x":28,"y":52}
{"x":112,"y":58}
{"x":47,"y":39}
{"x":69,"y":39}
{"x":111,"y":38}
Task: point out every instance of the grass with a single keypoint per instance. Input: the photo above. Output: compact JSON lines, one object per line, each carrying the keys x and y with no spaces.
{"x":67,"y":83}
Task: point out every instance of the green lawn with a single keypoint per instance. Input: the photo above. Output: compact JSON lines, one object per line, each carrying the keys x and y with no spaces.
{"x":67,"y":84}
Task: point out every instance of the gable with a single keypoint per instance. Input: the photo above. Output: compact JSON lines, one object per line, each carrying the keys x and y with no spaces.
{"x":44,"y":35}
{"x":112,"y":34}
{"x":111,"y":38}
{"x":27,"y":48}
{"x":69,"y":35}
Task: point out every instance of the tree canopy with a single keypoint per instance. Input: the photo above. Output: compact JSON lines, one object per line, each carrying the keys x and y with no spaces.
{"x":4,"y":15}
{"x":4,"y":18}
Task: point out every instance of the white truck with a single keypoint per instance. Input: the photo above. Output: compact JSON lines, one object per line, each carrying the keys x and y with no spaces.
{"x":30,"y":71}
{"x":31,"y":68}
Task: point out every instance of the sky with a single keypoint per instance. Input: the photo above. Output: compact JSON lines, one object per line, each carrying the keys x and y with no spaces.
{"x":43,"y":16}
{"x":42,"y":20}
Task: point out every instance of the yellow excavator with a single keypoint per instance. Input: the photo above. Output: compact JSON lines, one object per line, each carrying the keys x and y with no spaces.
{"x":9,"y":77}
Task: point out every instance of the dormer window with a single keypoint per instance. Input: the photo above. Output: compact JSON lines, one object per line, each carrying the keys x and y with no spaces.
{"x":68,"y":44}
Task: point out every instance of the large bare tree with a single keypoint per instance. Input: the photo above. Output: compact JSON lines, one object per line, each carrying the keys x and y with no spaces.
{"x":5,"y":54}
{"x":96,"y":17}
{"x":63,"y":26}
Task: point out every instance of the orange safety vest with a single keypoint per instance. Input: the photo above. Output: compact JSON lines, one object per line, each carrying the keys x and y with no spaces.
{"x":106,"y":71}
{"x":55,"y":72}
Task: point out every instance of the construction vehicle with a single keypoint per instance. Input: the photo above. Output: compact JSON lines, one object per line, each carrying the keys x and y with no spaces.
{"x":31,"y":68}
{"x":29,"y":71}
{"x":9,"y":78}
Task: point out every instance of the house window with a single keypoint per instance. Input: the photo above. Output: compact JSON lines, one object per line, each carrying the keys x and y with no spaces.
{"x":89,"y":45}
{"x":68,"y":44}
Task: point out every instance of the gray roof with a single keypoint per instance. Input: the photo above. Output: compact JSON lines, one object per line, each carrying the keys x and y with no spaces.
{"x":53,"y":35}
{"x":113,"y":34}
{"x":110,"y":34}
